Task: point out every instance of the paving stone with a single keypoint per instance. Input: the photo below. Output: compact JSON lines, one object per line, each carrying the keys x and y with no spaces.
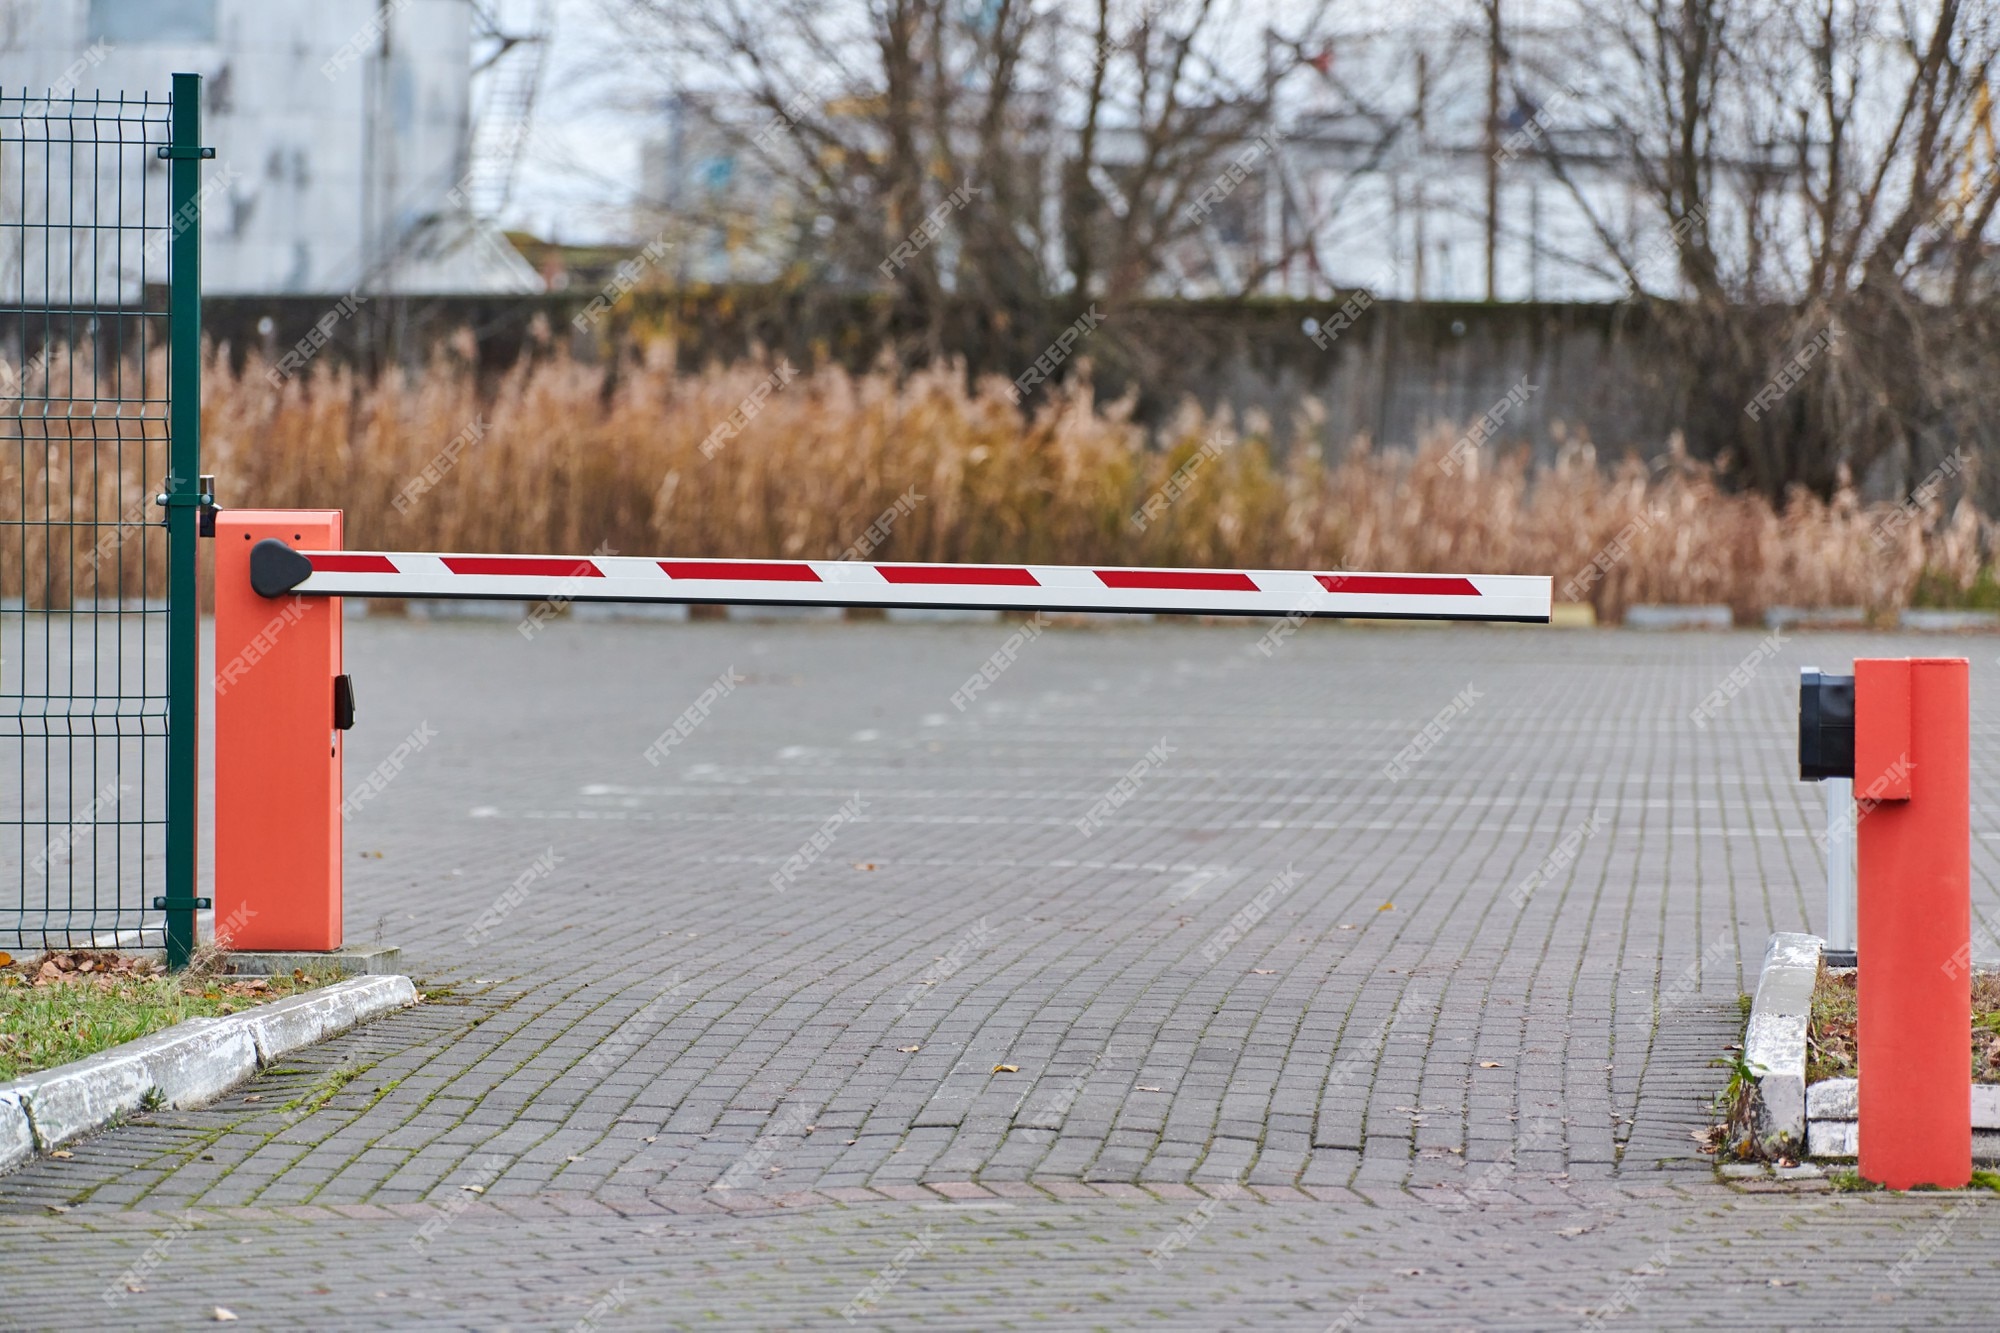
{"x":656,"y":985}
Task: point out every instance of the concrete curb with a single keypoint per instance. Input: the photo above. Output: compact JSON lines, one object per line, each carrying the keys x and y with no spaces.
{"x":17,"y":1136}
{"x":1833,"y":1114}
{"x":1774,"y":1042}
{"x":1924,"y":618}
{"x":1657,"y":616}
{"x":186,"y":1065}
{"x":284,"y":1026}
{"x":1816,"y":617}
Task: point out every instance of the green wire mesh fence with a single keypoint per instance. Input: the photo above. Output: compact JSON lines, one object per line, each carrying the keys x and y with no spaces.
{"x":95,"y":633}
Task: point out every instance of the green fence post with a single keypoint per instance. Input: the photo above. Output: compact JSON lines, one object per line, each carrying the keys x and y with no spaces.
{"x":183,"y":499}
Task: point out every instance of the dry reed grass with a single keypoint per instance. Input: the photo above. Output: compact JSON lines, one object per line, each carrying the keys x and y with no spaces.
{"x":567,"y":461}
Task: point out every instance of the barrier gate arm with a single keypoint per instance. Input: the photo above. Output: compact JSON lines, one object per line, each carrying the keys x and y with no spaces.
{"x":283,"y":702}
{"x":277,"y":570}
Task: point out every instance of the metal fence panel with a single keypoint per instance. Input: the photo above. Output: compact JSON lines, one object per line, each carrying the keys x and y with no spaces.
{"x":95,"y":638}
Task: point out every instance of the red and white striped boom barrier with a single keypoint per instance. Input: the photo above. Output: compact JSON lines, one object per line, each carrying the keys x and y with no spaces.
{"x":276,"y":570}
{"x":283,"y":700}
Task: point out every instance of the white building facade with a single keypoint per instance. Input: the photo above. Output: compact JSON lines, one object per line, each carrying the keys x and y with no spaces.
{"x":341,"y":129}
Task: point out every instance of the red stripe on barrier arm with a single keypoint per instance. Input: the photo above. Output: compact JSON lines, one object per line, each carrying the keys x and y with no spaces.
{"x":734,"y":569}
{"x":1177,"y":580}
{"x":991,"y":576}
{"x":551,"y":567}
{"x":328,"y":562}
{"x":1400,"y":585}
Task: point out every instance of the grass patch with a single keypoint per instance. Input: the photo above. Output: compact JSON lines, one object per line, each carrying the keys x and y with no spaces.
{"x":1830,"y":1034}
{"x":1734,"y":1135}
{"x":1833,"y":1043}
{"x":68,"y":1004}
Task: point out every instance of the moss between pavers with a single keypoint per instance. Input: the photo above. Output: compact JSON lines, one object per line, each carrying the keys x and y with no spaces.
{"x":71,"y":1003}
{"x":1831,"y":1041}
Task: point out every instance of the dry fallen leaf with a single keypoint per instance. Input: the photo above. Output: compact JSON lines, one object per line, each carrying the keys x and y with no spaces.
{"x":907,"y":1049}
{"x":1263,"y":971}
{"x":1386,"y":907}
{"x":62,"y":1152}
{"x":1345,"y":926}
{"x":224,"y":1316}
{"x":1006,"y":1069}
{"x":1489,"y":1064}
{"x":652,"y":1138}
{"x":1144,"y":1087}
{"x":476,"y":1189}
{"x":864,"y":865}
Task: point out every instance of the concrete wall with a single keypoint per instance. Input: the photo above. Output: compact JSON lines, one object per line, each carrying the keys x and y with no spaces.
{"x":1400,"y":369}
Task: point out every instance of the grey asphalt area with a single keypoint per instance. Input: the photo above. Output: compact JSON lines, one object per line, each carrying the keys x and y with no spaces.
{"x":1374,"y":981}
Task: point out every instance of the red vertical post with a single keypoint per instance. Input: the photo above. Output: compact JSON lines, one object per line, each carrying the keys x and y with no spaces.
{"x":1912,"y":787}
{"x":277,"y":754}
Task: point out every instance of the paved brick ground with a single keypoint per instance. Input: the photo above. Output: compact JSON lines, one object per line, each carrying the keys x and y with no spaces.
{"x":1434,"y":1041}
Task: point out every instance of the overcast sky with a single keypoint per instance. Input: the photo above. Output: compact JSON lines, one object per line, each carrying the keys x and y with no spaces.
{"x":581,"y":171}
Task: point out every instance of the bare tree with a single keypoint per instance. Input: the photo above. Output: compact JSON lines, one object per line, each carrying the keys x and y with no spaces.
{"x":997,"y":158}
{"x":1822,"y":175}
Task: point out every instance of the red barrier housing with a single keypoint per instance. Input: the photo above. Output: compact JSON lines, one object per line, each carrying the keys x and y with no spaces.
{"x":1912,"y":789}
{"x":277,"y":755}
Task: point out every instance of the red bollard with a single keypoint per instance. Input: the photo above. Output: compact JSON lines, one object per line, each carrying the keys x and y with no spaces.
{"x":1912,"y":790}
{"x":277,"y":754}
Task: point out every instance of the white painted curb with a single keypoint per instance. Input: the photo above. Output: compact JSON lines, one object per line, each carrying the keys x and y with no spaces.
{"x":17,"y":1136}
{"x":1774,"y":1042}
{"x":186,"y":1065}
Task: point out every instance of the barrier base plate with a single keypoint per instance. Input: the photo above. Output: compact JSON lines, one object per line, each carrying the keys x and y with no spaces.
{"x":375,"y":960}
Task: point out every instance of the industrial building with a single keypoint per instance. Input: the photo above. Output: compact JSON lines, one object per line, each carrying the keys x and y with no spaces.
{"x":350,"y":153}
